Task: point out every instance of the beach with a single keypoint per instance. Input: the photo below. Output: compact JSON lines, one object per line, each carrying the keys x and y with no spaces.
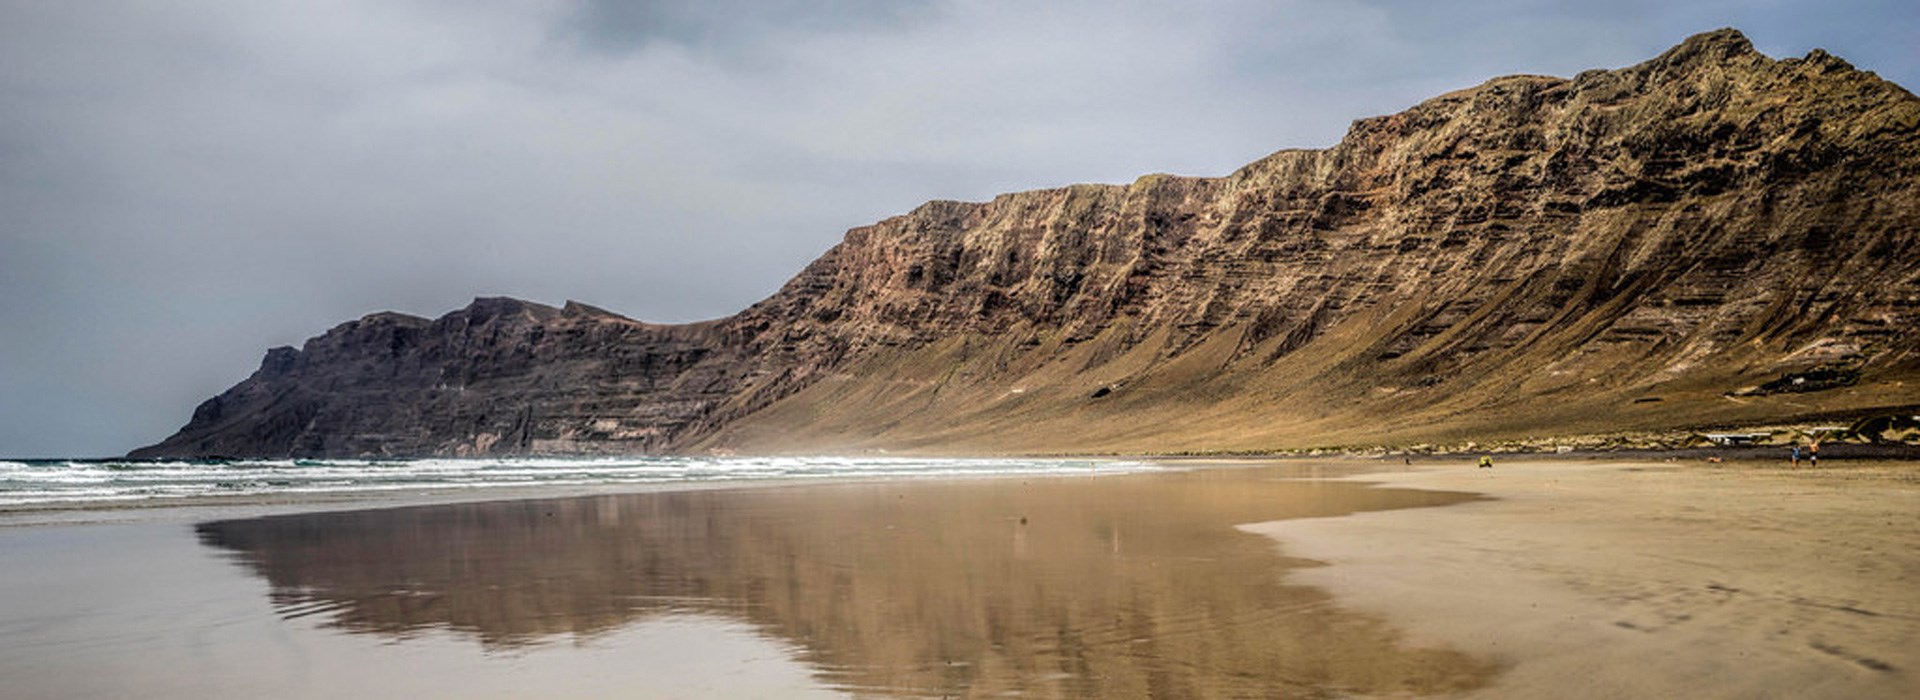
{"x":1616,"y":579}
{"x":1247,"y":578}
{"x":1125,"y":585}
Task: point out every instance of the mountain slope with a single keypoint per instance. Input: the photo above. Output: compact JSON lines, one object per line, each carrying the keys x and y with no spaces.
{"x":1669,"y":244}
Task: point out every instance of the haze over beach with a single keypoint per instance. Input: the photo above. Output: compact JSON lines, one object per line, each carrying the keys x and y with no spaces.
{"x":1561,"y":350}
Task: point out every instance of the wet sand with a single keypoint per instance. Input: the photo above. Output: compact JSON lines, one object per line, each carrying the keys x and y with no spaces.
{"x":1575,"y":579}
{"x":1096,"y":587}
{"x":1652,"y":579}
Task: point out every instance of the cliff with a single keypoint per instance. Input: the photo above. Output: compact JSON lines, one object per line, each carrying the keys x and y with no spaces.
{"x":1712,"y":237}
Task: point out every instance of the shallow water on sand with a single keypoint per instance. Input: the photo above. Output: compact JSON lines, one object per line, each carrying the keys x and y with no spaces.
{"x":58,"y":483}
{"x":1108,"y":587}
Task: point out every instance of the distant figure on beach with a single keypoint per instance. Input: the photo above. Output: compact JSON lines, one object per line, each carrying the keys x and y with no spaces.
{"x":1796,"y":455}
{"x":1813,"y":453}
{"x":1486,"y":461}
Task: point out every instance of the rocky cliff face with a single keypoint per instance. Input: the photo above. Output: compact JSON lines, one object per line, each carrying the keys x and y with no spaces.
{"x":1673,"y":243}
{"x":499,"y":377}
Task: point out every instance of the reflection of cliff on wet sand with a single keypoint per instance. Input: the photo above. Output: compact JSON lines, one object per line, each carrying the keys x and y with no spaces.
{"x":1132,"y":586}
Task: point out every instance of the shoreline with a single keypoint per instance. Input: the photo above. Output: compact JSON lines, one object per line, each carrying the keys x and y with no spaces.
{"x":205,"y":507}
{"x":1643,"y":578}
{"x":1648,"y":577}
{"x":906,"y":587}
{"x":1841,"y":457}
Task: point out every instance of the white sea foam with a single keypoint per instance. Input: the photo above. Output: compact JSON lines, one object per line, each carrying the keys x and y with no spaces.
{"x":43,"y":482}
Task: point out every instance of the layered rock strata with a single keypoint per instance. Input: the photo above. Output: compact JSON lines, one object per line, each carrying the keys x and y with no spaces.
{"x":1628,"y":249}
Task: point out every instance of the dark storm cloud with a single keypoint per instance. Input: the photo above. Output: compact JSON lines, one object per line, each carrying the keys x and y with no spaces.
{"x":183,"y":185}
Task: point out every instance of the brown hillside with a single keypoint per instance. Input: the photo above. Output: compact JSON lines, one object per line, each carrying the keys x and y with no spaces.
{"x":1672,"y":244}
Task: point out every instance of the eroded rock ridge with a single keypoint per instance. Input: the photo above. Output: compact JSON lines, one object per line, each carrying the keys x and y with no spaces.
{"x":1627,"y":249}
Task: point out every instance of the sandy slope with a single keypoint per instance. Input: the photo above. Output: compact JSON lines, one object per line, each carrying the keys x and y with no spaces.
{"x":1638,"y":580}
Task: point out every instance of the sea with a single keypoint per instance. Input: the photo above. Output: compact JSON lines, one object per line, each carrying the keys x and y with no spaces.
{"x":40,"y":483}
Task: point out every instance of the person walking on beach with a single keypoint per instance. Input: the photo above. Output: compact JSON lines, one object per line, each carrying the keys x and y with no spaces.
{"x":1796,"y":454}
{"x":1813,"y":453}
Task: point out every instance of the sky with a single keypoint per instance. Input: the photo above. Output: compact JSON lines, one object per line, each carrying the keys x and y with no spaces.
{"x":186,"y":184}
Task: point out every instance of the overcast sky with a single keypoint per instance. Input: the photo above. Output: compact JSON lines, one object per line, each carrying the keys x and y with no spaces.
{"x":184,"y":184}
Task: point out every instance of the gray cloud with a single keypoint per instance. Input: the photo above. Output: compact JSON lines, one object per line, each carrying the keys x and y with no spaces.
{"x":185,"y":184}
{"x":732,"y":25}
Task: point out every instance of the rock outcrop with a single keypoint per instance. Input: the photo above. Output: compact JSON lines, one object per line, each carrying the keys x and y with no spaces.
{"x":1632,"y":249}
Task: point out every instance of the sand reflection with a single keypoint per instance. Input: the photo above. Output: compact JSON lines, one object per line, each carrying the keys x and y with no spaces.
{"x":1112,"y":587}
